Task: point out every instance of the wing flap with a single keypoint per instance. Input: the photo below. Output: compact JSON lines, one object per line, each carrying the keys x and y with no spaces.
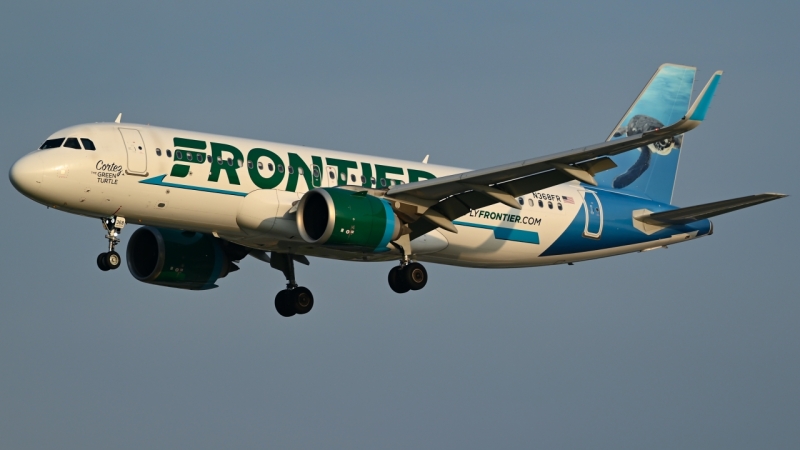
{"x":691,"y":214}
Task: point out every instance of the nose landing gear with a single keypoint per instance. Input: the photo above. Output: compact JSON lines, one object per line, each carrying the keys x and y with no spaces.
{"x":111,"y":259}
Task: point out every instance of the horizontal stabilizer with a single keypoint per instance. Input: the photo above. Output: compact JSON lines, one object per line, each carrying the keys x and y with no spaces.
{"x":691,"y":214}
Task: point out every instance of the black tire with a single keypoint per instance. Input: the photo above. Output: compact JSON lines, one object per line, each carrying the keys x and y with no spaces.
{"x":283,"y":303}
{"x":101,"y":262}
{"x":415,"y":276}
{"x":397,"y":280}
{"x":113,"y":260}
{"x":302,"y":300}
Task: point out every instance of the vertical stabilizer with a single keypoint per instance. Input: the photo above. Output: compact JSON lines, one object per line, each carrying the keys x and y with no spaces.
{"x":650,"y":171}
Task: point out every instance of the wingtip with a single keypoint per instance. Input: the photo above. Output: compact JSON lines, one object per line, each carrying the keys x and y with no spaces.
{"x":701,"y":104}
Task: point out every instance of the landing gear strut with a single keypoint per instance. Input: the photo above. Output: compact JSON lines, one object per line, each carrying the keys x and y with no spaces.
{"x":294,"y":299}
{"x":111,"y":259}
{"x":408,"y":276}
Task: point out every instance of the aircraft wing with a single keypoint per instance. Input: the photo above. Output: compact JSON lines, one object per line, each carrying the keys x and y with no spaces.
{"x":691,"y":214}
{"x":439,"y":201}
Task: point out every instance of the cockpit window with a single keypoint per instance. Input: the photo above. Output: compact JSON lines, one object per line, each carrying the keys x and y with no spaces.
{"x":52,"y":143}
{"x":89,"y":145}
{"x":72,"y":143}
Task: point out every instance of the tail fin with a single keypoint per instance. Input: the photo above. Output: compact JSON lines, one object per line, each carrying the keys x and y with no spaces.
{"x":651,"y":170}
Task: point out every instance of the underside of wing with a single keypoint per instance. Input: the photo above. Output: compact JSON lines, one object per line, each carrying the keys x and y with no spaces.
{"x":691,"y":214}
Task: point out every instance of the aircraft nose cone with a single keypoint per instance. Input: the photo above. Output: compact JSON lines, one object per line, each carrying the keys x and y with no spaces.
{"x":26,"y":175}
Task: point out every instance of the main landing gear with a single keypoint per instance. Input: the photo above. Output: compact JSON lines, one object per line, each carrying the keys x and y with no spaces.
{"x":294,"y":299}
{"x":111,"y":259}
{"x":408,"y":276}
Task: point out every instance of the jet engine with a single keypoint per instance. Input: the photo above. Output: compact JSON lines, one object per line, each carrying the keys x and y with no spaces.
{"x":343,"y":218}
{"x":180,"y":259}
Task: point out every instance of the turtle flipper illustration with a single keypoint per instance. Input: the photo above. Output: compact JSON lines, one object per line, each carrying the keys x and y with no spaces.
{"x":637,"y":125}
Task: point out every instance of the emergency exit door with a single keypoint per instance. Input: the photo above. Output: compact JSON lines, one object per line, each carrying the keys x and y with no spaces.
{"x":135,"y":148}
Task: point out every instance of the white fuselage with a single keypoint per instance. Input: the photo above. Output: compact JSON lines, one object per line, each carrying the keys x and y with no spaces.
{"x":243,"y":191}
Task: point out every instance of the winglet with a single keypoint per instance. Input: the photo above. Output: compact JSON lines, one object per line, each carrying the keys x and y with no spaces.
{"x":700,"y":107}
{"x":119,"y":118}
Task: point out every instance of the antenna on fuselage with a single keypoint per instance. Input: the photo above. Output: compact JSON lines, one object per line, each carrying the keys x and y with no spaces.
{"x":119,"y":117}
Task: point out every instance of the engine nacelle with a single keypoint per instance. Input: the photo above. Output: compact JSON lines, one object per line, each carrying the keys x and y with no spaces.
{"x":180,"y":259}
{"x":338,"y":217}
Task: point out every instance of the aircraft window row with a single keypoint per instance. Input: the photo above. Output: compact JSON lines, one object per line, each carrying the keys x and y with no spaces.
{"x":201,"y":158}
{"x":68,"y":143}
{"x":271,"y":167}
{"x":541,"y":204}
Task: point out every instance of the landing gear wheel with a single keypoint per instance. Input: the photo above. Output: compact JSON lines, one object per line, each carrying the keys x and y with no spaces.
{"x":284,"y":304}
{"x":397,"y":280}
{"x":112,"y":260}
{"x":101,"y":262}
{"x":415,"y":276}
{"x":303,"y":301}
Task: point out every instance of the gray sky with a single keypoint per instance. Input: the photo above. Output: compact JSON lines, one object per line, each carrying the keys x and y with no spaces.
{"x":691,"y":347}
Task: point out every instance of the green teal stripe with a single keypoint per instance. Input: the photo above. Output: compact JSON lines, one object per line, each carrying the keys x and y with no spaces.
{"x":159,"y":181}
{"x":474,"y":225}
{"x":506,"y":234}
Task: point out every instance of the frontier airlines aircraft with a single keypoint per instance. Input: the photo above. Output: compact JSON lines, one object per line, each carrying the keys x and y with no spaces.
{"x":207,"y":201}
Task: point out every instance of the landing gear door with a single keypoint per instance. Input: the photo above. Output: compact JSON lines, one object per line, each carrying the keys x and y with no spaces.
{"x":593,"y":211}
{"x":134,"y":147}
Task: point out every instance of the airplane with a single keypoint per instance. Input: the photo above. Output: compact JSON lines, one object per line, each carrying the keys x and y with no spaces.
{"x":206,"y":201}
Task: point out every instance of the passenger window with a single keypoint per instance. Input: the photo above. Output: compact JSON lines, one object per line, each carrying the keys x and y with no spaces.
{"x":230,"y":161}
{"x":52,"y":143}
{"x":261,"y":166}
{"x":331,"y":175}
{"x":239,"y":163}
{"x":201,"y":157}
{"x":291,"y":169}
{"x":521,"y":201}
{"x":249,"y":164}
{"x":89,"y":145}
{"x":550,"y":205}
{"x":178,"y":155}
{"x":300,"y":171}
{"x":353,"y":177}
{"x":72,"y":143}
{"x":363,"y":179}
{"x":560,"y":207}
{"x":530,"y":202}
{"x":280,"y":168}
{"x":343,"y":176}
{"x":169,"y":153}
{"x":158,"y":150}
{"x":188,"y":156}
{"x":372,"y":181}
{"x":315,"y":172}
{"x":269,"y":166}
{"x":541,"y":204}
{"x":383,"y":182}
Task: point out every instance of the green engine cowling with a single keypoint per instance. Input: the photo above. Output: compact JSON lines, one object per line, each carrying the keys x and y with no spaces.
{"x":343,"y":218}
{"x":180,"y":259}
